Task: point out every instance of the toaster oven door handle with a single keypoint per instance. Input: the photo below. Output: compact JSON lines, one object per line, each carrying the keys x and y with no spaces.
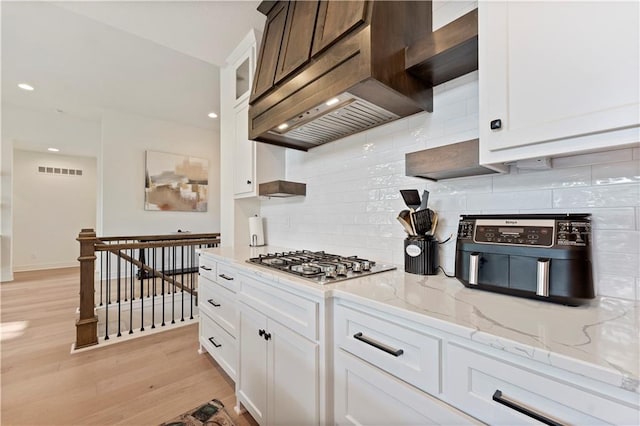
{"x":542,"y":281}
{"x":474,"y":264}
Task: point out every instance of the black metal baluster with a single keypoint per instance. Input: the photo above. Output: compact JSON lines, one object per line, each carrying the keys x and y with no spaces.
{"x":146,"y":262}
{"x":192,"y":277}
{"x":153,"y":294}
{"x":106,"y":309}
{"x":142,"y":274}
{"x":182,"y":281}
{"x":119,"y":282}
{"x":125,"y":268}
{"x":173,"y":293}
{"x":131,"y":293}
{"x":101,"y":274}
{"x":162,"y":266}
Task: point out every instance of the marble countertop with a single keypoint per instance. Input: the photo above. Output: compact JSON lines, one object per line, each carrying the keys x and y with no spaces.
{"x":600,"y":340}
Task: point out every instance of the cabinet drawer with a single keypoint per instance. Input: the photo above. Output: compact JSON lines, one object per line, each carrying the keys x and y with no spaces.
{"x":367,"y":395}
{"x":297,"y":313}
{"x":207,"y":268}
{"x":220,"y":304}
{"x":474,"y":378}
{"x":220,"y":344}
{"x":407,"y":354}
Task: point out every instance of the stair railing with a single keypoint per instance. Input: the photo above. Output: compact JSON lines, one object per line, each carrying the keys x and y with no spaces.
{"x":156,"y":273}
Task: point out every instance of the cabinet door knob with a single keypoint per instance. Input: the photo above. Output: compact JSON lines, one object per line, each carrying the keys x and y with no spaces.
{"x":261,"y":332}
{"x":267,"y":336}
{"x":496,"y":124}
{"x":248,"y":182}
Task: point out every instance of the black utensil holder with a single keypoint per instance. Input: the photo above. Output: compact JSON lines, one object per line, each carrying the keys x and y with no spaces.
{"x":421,"y":255}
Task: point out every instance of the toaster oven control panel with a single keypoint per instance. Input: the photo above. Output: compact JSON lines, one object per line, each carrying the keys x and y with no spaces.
{"x":519,"y":232}
{"x":526,"y":232}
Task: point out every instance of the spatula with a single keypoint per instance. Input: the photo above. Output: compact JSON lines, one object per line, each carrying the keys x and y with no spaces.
{"x":411,"y":198}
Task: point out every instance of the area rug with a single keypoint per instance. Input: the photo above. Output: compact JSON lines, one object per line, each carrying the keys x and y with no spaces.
{"x":212,"y":413}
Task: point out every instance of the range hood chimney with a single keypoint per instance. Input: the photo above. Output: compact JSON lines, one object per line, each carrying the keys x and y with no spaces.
{"x":329,"y":69}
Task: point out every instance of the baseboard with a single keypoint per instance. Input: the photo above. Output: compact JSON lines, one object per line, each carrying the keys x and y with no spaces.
{"x":40,"y":267}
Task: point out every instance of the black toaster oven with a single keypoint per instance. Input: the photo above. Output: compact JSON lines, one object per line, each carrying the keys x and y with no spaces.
{"x":540,"y":256}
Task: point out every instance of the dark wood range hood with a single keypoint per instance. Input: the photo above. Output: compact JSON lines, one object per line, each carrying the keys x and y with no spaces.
{"x":328,"y":69}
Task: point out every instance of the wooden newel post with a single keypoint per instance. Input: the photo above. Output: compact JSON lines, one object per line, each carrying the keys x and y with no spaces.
{"x":87,"y":324}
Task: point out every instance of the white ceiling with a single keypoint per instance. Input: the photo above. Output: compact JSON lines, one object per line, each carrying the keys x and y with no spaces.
{"x":157,"y":59}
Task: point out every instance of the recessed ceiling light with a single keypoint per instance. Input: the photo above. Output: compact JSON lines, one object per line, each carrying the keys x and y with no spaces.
{"x":332,"y":101}
{"x":53,"y":149}
{"x":283,"y":126}
{"x":25,"y":86}
{"x":212,"y":115}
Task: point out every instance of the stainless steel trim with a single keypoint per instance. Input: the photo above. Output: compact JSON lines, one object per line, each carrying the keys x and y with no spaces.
{"x":474,"y":263}
{"x":542,"y":287}
{"x":322,"y":124}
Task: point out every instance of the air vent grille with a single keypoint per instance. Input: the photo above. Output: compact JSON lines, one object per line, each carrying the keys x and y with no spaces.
{"x":354,"y":117}
{"x":59,"y":171}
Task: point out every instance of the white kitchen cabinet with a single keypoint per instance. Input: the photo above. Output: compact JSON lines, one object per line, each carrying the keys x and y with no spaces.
{"x":218,"y":313}
{"x":501,"y":389}
{"x":279,"y":373}
{"x":562,"y":77}
{"x":366,"y":395}
{"x":387,"y":370}
{"x":253,"y":162}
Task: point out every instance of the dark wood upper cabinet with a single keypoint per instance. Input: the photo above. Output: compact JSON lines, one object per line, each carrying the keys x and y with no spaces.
{"x":295,"y":50}
{"x":269,"y":50}
{"x":335,"y":20}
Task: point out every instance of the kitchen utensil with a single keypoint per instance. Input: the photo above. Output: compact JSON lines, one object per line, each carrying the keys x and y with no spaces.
{"x":425,"y":200}
{"x":434,"y":223}
{"x":404,"y":217}
{"x":422,"y":221}
{"x":411,"y":198}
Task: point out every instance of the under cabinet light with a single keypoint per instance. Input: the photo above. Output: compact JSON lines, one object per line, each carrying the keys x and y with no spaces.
{"x":212,"y":115}
{"x":53,"y":149}
{"x":332,"y":101}
{"x":25,"y":86}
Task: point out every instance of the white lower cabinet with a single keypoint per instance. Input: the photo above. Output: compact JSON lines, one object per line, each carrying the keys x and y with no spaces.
{"x":387,"y":370}
{"x":279,"y":380}
{"x":218,"y":316}
{"x":366,"y":395}
{"x":504,"y":390}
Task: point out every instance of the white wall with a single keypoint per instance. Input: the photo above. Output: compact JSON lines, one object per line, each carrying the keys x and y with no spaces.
{"x":6,"y":210}
{"x":50,"y":209}
{"x":37,"y":130}
{"x":125,"y":137}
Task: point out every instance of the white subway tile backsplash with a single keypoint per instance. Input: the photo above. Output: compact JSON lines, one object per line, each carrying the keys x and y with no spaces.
{"x":560,"y":178}
{"x":482,"y":184}
{"x":618,"y":264}
{"x":616,"y":173}
{"x":617,"y":241}
{"x":616,"y":286}
{"x":353,"y":197}
{"x":604,"y":196}
{"x":510,"y":201}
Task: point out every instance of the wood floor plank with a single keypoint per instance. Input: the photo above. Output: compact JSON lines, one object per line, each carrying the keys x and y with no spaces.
{"x":142,"y":381}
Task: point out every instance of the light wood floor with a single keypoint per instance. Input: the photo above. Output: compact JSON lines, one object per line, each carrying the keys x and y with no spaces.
{"x":144,"y":381}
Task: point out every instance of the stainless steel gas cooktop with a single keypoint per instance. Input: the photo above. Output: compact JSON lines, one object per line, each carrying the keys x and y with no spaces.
{"x":318,"y":266}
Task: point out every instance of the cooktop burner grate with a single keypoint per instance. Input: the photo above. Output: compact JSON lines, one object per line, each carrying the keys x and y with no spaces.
{"x":319,"y":266}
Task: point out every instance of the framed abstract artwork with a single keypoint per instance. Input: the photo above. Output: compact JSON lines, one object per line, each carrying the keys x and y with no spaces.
{"x":175,"y":182}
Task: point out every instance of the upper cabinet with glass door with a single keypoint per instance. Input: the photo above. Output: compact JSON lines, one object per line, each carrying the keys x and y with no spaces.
{"x":243,"y":66}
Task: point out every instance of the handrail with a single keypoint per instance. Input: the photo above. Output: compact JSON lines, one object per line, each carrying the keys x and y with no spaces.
{"x":109,"y":247}
{"x":122,"y":247}
{"x":178,"y":236}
